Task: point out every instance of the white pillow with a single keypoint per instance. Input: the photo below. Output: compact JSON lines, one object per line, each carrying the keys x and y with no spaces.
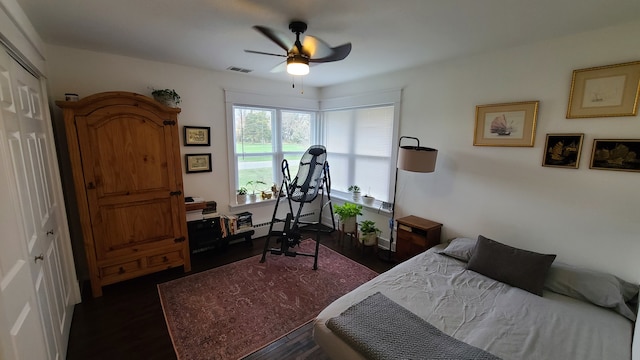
{"x":460,"y":248}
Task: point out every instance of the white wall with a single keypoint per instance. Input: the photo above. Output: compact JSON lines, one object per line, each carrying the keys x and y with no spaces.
{"x":587,"y":217}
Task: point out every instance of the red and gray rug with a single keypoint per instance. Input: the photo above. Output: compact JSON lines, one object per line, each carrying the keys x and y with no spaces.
{"x":231,"y":311}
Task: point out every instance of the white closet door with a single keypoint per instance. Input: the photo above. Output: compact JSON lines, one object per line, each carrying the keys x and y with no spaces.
{"x":23,"y":338}
{"x":37,"y":248}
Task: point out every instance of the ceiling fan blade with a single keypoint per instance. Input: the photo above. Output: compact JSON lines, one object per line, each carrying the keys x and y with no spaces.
{"x":338,"y":53}
{"x":264,"y":53}
{"x":277,"y":37}
{"x":281,"y":67}
{"x":316,"y":48}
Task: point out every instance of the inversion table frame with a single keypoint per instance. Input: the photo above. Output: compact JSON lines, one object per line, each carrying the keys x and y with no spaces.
{"x":313,"y":178}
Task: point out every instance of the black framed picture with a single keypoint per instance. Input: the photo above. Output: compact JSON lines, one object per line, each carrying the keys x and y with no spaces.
{"x":563,"y":150}
{"x":198,"y":163}
{"x":197,"y":136}
{"x":616,"y":154}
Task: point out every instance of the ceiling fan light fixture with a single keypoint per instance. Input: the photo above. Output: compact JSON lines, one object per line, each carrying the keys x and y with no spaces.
{"x":297,"y":65}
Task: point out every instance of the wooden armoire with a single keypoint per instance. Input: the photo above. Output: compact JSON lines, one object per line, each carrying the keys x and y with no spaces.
{"x":125,"y":154}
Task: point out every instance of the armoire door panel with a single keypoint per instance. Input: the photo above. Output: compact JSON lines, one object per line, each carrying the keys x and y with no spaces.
{"x":129,"y":152}
{"x":130,"y":228}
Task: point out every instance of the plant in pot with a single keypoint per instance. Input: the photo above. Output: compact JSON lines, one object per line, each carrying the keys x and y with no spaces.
{"x":355,"y":190}
{"x":254,"y":184}
{"x":347,"y":213}
{"x":241,"y":198}
{"x":368,"y":232}
{"x":168,"y":97}
{"x":368,"y":199}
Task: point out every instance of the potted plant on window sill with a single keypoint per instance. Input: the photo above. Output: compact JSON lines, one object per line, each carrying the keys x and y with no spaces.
{"x":355,"y":190}
{"x":347,"y":213}
{"x":368,"y":199}
{"x":253,"y":184}
{"x":368,"y":233}
{"x":241,"y":198}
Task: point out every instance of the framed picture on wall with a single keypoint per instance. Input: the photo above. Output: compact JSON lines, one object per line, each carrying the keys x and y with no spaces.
{"x":198,"y":163}
{"x":610,"y":90}
{"x":616,"y":154}
{"x":510,"y":124}
{"x":197,"y":136}
{"x":563,"y":150}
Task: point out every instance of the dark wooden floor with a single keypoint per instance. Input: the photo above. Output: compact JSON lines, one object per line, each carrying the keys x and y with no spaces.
{"x":127,"y":321}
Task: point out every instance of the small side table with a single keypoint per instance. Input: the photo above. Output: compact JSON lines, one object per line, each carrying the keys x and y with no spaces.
{"x":415,"y":235}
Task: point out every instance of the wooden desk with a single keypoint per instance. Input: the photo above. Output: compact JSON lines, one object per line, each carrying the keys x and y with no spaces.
{"x":415,"y":235}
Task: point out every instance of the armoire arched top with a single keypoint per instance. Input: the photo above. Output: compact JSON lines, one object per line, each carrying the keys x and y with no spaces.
{"x":93,"y":102}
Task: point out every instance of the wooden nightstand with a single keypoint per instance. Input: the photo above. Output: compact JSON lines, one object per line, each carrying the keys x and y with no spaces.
{"x":415,"y":235}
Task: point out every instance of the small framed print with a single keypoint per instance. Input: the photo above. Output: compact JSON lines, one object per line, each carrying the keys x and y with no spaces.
{"x":601,"y":91}
{"x":616,"y":154}
{"x":198,"y":163}
{"x":511,"y":124}
{"x":563,"y":150}
{"x":197,"y":136}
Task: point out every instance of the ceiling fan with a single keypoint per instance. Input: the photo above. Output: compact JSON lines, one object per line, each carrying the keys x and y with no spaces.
{"x":300,"y":54}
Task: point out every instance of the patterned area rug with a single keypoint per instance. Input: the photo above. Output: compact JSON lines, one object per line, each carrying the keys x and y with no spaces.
{"x":231,"y":311}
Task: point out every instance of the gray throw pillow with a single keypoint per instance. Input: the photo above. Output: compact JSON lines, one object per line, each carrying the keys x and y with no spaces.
{"x":524,"y":269}
{"x":592,"y":286}
{"x":460,"y":248}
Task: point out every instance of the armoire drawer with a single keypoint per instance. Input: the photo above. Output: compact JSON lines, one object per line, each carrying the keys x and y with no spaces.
{"x":166,"y":259}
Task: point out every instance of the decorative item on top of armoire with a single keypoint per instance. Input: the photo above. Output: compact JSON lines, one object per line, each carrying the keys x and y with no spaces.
{"x":125,"y":156}
{"x":167,"y":97}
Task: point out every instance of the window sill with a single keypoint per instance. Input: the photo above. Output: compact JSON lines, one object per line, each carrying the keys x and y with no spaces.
{"x":376,"y":206}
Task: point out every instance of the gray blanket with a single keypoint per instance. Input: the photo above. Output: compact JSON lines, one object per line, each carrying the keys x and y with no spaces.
{"x":381,"y":329}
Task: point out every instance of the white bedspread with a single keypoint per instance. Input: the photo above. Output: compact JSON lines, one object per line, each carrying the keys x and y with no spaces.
{"x":505,"y":321}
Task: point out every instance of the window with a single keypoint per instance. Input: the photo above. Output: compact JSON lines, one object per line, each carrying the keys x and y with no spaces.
{"x":263,"y":137}
{"x":359,"y":148}
{"x":360,"y":133}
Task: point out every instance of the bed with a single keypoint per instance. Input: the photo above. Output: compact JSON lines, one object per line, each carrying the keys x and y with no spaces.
{"x":588,"y":315}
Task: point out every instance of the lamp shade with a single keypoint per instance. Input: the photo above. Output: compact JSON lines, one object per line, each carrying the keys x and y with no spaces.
{"x":417,"y":159}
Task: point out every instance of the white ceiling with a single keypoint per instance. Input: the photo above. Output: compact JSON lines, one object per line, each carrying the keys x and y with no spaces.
{"x":386,"y":35}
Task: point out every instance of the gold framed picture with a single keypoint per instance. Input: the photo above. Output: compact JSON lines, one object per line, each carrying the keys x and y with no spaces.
{"x":602,"y":91}
{"x":563,"y":150}
{"x":197,"y":136}
{"x":616,"y":154}
{"x":198,"y":163}
{"x":509,"y":124}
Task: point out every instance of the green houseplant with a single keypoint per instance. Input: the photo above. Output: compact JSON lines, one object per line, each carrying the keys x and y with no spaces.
{"x":355,"y":190}
{"x":241,"y":198}
{"x":347,"y":213}
{"x":253,"y":184}
{"x":368,"y":232}
{"x":168,"y":97}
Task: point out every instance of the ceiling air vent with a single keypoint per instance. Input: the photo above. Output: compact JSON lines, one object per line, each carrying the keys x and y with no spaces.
{"x":239,"y":69}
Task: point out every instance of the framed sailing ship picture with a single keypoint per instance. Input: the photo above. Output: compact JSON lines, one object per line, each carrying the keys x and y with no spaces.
{"x":509,"y":124}
{"x":563,"y":150}
{"x":611,"y":90}
{"x":616,"y":154}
